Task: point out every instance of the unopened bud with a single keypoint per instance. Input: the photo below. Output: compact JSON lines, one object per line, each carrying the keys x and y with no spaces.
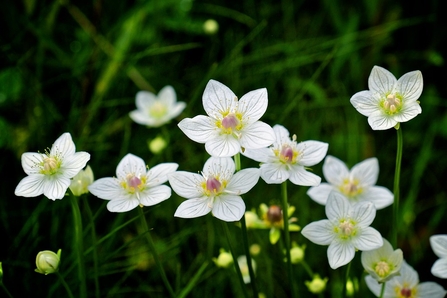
{"x":47,"y":262}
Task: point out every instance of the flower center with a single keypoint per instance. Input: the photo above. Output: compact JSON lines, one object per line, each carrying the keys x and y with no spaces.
{"x":382,"y":268}
{"x":405,"y":292}
{"x":346,"y":229}
{"x":50,"y":165}
{"x":392,"y":104}
{"x":287,"y":154}
{"x":158,"y":110}
{"x":213,"y":186}
{"x":274,"y":214}
{"x":350,"y":188}
{"x":133,"y":183}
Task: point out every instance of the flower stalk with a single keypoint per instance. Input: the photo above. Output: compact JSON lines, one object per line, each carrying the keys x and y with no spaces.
{"x":79,"y":244}
{"x":285,"y":207}
{"x":396,"y":189}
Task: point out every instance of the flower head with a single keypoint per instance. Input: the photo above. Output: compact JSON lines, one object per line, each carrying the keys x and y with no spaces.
{"x":134,"y":185}
{"x":345,"y":231}
{"x":439,"y":246}
{"x":383,"y":263}
{"x":218,"y":190}
{"x":49,"y":173}
{"x":406,"y":285}
{"x":287,"y":159}
{"x":79,"y":184}
{"x":47,"y":261}
{"x":357,"y":184}
{"x":231,"y":124}
{"x":389,"y":101}
{"x":155,"y":111}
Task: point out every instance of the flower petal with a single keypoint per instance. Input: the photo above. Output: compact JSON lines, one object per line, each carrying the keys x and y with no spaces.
{"x":176,"y":110}
{"x":381,"y":121}
{"x":408,"y":275}
{"x":366,"y":172}
{"x":63,"y":146}
{"x":130,"y":164}
{"x":56,"y":187}
{"x":144,"y":100}
{"x":30,"y":161}
{"x":257,"y":135}
{"x":439,"y":268}
{"x":71,"y":165}
{"x":199,"y":129}
{"x":312,"y":152}
{"x":410,"y":85}
{"x":369,"y":239}
{"x":253,"y":105}
{"x":140,"y":118}
{"x":159,"y":174}
{"x":319,"y":232}
{"x":217,"y":98}
{"x":365,"y":102}
{"x":106,"y":188}
{"x":281,"y":134}
{"x":243,"y":181}
{"x":364,"y":213}
{"x":439,"y":245}
{"x":167,"y":95}
{"x":31,"y":186}
{"x":299,"y":176}
{"x":155,"y":195}
{"x":320,"y":193}
{"x":337,"y":206}
{"x":186,"y":185}
{"x":340,"y":253}
{"x":228,"y":207}
{"x":373,"y":285}
{"x":123,"y":204}
{"x":193,"y":208}
{"x":274,"y":173}
{"x":223,"y":146}
{"x":431,"y":289}
{"x":409,"y":111}
{"x":335,"y":171}
{"x":217,"y":165}
{"x":380,"y":196}
{"x":259,"y":155}
{"x":381,"y":81}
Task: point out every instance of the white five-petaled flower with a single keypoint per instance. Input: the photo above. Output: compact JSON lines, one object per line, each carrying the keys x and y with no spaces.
{"x":345,"y":231}
{"x":287,"y":159}
{"x":49,"y":173}
{"x":357,"y":185}
{"x":156,"y":110}
{"x":406,"y":285}
{"x":231,"y":124}
{"x":439,"y":246}
{"x":218,"y":190}
{"x":134,"y":185}
{"x":389,"y":101}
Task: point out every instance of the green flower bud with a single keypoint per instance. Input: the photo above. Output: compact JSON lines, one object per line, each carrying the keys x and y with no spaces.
{"x":224,"y":260}
{"x":79,"y":184}
{"x":157,"y":145}
{"x":317,"y":285}
{"x":47,"y":262}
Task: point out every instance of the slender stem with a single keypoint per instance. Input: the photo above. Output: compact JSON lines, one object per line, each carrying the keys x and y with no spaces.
{"x":285,"y":217}
{"x":64,"y":283}
{"x":6,"y":290}
{"x":345,"y":280}
{"x":382,"y":291}
{"x":150,"y":242}
{"x":248,"y":256}
{"x":79,"y":245}
{"x":237,"y":162}
{"x":236,"y":265}
{"x":95,"y":252}
{"x":395,"y":229}
{"x":307,"y":268}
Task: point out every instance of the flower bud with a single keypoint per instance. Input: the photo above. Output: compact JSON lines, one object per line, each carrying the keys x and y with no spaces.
{"x":297,"y":254}
{"x":210,"y":27}
{"x":224,"y":260}
{"x":47,"y":262}
{"x":79,"y":184}
{"x":317,"y":285}
{"x":157,"y":145}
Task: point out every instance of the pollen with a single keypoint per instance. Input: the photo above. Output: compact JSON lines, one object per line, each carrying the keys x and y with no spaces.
{"x":382,"y":269}
{"x":50,"y":165}
{"x":392,"y":104}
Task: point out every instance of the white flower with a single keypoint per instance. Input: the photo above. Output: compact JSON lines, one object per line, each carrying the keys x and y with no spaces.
{"x":216,"y":190}
{"x":389,"y":101}
{"x":406,"y":285}
{"x":439,"y":246}
{"x":287,"y":159}
{"x":345,"y":231}
{"x":49,"y":173}
{"x":134,"y":185}
{"x":382,"y":263}
{"x":154,"y":111}
{"x":231,"y":123}
{"x":357,"y":185}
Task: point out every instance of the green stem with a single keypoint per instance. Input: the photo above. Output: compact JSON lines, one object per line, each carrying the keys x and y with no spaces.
{"x":150,"y":242}
{"x":396,"y":223}
{"x":248,"y":256}
{"x":95,"y":252}
{"x":79,"y":245}
{"x":285,"y":216}
{"x":6,"y":290}
{"x":345,"y":280}
{"x":307,"y":268}
{"x":382,"y":291}
{"x":236,"y":265}
{"x":64,"y":283}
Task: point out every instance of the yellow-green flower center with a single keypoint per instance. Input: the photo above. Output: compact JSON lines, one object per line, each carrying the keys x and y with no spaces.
{"x":158,"y":110}
{"x":230,"y":124}
{"x":382,"y":268}
{"x":350,"y":188}
{"x":345,"y":229}
{"x":405,"y":292}
{"x":392,"y":104}
{"x":213,"y":186}
{"x":134,"y":184}
{"x":50,"y":165}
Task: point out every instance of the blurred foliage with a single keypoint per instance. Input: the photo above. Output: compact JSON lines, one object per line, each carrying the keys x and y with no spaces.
{"x":76,"y":67}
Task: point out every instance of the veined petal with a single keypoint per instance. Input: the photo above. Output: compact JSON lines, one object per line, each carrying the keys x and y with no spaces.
{"x":106,"y":188}
{"x":364,"y":214}
{"x":319,"y":232}
{"x":337,"y":206}
{"x":366,"y":172}
{"x":408,"y":112}
{"x":369,"y":239}
{"x":186,"y":184}
{"x":281,"y":134}
{"x":130,"y":164}
{"x":408,"y":275}
{"x":144,"y":100}
{"x":193,"y":208}
{"x":30,"y":160}
{"x":439,"y":268}
{"x":381,"y":81}
{"x":243,"y":181}
{"x":56,"y":187}
{"x":410,"y":85}
{"x":31,"y":186}
{"x":340,"y":253}
{"x":439,"y":245}
{"x":334,"y":170}
{"x":431,"y":289}
{"x":159,"y":174}
{"x":365,"y":103}
{"x":199,"y":129}
{"x":217,"y":98}
{"x":155,"y":195}
{"x":223,"y":146}
{"x":257,"y":135}
{"x":312,"y":152}
{"x":259,"y":155}
{"x":381,"y":121}
{"x":63,"y":146}
{"x":320,"y":193}
{"x":71,"y":165}
{"x":167,"y":95}
{"x":228,"y":207}
{"x":299,"y":176}
{"x":274,"y":173}
{"x":123,"y":204}
{"x":253,"y":105}
{"x":380,"y":196}
{"x":215,"y":165}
